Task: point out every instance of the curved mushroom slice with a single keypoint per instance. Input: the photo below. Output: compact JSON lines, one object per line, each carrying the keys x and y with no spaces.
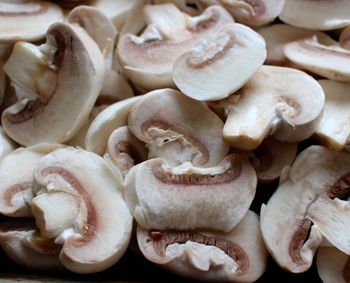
{"x":278,"y":35}
{"x":106,"y":122}
{"x":310,"y":55}
{"x":124,"y":150}
{"x":96,"y":229}
{"x":308,"y":194}
{"x":220,"y":65}
{"x":16,"y":175}
{"x":236,"y":256}
{"x":178,"y":128}
{"x":52,"y":107}
{"x":24,"y":20}
{"x":188,"y":197}
{"x":22,"y":243}
{"x":333,"y":265}
{"x":278,"y":101}
{"x":334,"y":128}
{"x":326,"y":15}
{"x":6,"y":144}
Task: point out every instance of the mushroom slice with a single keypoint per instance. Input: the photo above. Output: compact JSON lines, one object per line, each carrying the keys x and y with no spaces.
{"x":236,"y":256}
{"x":306,"y":206}
{"x":334,"y":127}
{"x":96,"y":228}
{"x":178,"y":128}
{"x":27,"y":20}
{"x":22,"y":243}
{"x":326,"y":15}
{"x":6,"y":144}
{"x":16,"y":175}
{"x":124,"y":150}
{"x":113,"y":117}
{"x":218,"y":66}
{"x":187,"y":197}
{"x":190,"y":7}
{"x":333,"y":265}
{"x":53,"y":106}
{"x":278,"y":35}
{"x":278,"y":101}
{"x":310,"y":55}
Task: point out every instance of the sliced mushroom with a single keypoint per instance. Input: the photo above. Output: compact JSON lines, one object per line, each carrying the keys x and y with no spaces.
{"x":6,"y":144}
{"x":278,"y":101}
{"x":53,"y":106}
{"x":190,"y":7}
{"x":187,"y":197}
{"x":178,"y":128}
{"x":236,"y":256}
{"x":334,"y":127}
{"x":22,"y":243}
{"x":218,"y":66}
{"x":124,"y":150}
{"x":16,"y":175}
{"x":344,"y":38}
{"x":309,"y":14}
{"x":96,"y":228}
{"x":306,"y":206}
{"x":310,"y":55}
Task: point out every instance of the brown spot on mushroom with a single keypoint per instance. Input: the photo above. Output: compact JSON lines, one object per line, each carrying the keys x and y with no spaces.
{"x":130,"y":149}
{"x":15,"y":189}
{"x":207,"y":24}
{"x":263,"y":158}
{"x":298,"y":239}
{"x":39,"y":9}
{"x":341,"y":188}
{"x":346,"y":271}
{"x":294,"y":108}
{"x":162,"y":239}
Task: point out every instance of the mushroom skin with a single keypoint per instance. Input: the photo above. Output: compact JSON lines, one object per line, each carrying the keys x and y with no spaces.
{"x":186,"y":197}
{"x":96,"y":230}
{"x":236,"y":256}
{"x":72,"y":71}
{"x":306,"y":206}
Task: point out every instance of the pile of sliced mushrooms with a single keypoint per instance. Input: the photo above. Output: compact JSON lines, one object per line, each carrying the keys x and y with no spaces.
{"x":150,"y":124}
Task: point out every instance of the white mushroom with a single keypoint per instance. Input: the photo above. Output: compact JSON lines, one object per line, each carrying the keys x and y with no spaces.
{"x":6,"y":144}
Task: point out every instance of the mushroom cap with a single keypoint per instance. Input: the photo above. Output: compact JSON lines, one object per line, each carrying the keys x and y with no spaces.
{"x":178,"y":128}
{"x":188,"y":197}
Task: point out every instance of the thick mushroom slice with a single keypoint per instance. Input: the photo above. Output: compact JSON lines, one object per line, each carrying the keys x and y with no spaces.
{"x":218,"y":66}
{"x":27,"y":20}
{"x":334,"y":128}
{"x":236,"y":256}
{"x":124,"y":150}
{"x":309,"y":54}
{"x":22,"y":243}
{"x":309,"y":14}
{"x":333,"y":265}
{"x":95,"y":224}
{"x":16,"y":175}
{"x":54,"y":105}
{"x":278,"y":101}
{"x":178,"y":128}
{"x":306,"y":206}
{"x":187,"y":197}
{"x":6,"y":144}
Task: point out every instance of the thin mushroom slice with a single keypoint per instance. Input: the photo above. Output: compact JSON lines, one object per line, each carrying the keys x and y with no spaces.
{"x":218,"y":66}
{"x":236,"y":256}
{"x":95,"y":227}
{"x":178,"y":128}
{"x":307,"y":205}
{"x":22,"y":243}
{"x":27,"y":20}
{"x":187,"y":197}
{"x":53,"y":106}
{"x":308,"y":54}
{"x":334,"y":128}
{"x":16,"y":175}
{"x":316,"y":15}
{"x":278,"y":101}
{"x":6,"y":144}
{"x":333,"y":266}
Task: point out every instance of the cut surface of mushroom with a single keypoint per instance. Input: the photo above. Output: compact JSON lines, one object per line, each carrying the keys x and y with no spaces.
{"x":308,"y":204}
{"x":16,"y":175}
{"x":236,"y":256}
{"x":6,"y":144}
{"x":178,"y":128}
{"x":187,"y":197}
{"x":334,"y":128}
{"x":96,"y":229}
{"x":273,"y":102}
{"x":53,"y":106}
{"x":218,"y":66}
